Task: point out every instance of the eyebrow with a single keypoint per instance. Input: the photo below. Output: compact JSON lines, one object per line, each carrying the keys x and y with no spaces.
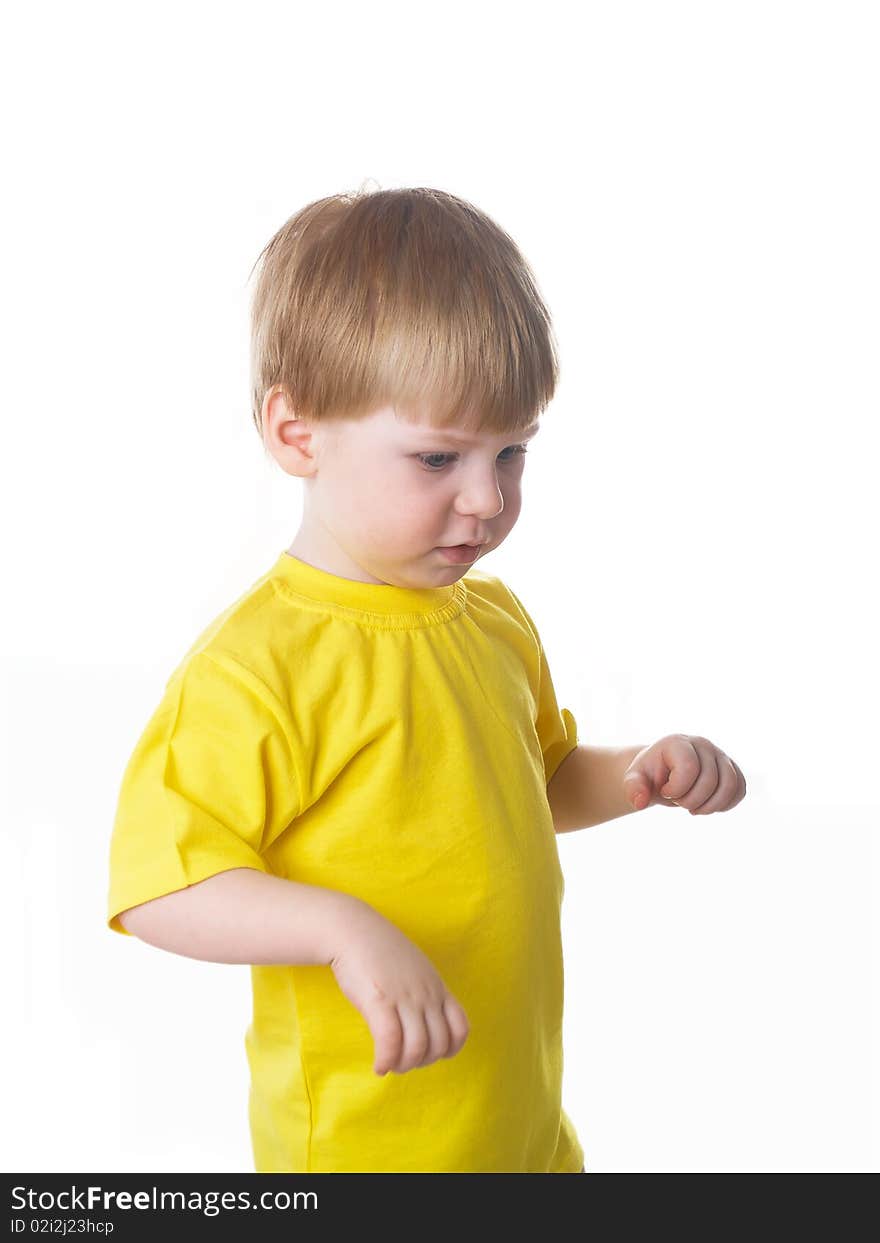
{"x":454,"y":437}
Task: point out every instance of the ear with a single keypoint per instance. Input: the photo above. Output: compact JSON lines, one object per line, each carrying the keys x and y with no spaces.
{"x":276,"y":408}
{"x":287,"y":437}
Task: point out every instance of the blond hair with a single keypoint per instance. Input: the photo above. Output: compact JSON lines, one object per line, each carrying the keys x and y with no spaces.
{"x":410,"y":298}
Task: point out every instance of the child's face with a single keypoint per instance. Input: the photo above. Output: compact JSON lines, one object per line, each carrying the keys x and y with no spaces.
{"x":384,"y":495}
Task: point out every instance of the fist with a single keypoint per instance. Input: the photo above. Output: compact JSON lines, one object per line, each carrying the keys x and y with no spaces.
{"x":684,"y":770}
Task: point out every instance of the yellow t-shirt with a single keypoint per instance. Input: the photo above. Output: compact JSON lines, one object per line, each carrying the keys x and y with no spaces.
{"x":395,"y":744}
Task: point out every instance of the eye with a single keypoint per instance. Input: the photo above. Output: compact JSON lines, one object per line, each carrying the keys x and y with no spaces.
{"x":424,"y":458}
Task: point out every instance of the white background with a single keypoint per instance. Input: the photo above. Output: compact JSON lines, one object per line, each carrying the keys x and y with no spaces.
{"x":696,"y":188}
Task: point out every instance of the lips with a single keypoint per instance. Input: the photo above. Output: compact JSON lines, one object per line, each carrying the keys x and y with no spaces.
{"x":461,"y":553}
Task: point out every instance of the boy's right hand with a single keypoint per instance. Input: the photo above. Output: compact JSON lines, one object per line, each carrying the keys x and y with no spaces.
{"x":413,"y":1018}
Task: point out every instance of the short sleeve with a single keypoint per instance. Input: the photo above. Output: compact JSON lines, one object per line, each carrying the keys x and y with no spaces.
{"x":209,"y":785}
{"x":556,"y":727}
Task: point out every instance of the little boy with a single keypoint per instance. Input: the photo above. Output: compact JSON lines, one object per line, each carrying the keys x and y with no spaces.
{"x":354,"y":778}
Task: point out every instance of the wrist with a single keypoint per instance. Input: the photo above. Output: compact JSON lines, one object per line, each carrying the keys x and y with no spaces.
{"x":347,"y":922}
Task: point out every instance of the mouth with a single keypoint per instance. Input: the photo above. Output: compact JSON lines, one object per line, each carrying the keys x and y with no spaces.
{"x":461,"y":553}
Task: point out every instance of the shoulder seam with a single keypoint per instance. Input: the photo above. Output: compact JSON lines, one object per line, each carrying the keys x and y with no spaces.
{"x":524,"y":616}
{"x":234,"y":666}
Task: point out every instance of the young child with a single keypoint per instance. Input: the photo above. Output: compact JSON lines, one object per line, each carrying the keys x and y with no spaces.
{"x":354,"y":777}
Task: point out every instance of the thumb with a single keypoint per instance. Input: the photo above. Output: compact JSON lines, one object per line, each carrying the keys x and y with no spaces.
{"x":637,"y":788}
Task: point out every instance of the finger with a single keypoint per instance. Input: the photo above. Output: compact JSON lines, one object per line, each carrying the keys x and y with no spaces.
{"x":741,"y":785}
{"x":725,"y":794}
{"x":387,"y":1032}
{"x":438,"y":1032}
{"x":707,"y":782}
{"x":676,"y":767}
{"x":416,"y":1041}
{"x":458,"y":1024}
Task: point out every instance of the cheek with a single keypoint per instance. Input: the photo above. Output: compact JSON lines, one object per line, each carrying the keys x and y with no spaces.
{"x":414,"y":490}
{"x":359,"y":500}
{"x":422,"y":508}
{"x":512,"y":504}
{"x":392,"y":504}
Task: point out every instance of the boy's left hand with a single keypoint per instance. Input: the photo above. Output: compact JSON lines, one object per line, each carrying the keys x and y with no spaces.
{"x":685,"y":771}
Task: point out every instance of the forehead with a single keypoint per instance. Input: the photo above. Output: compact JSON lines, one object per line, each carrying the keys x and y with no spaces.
{"x":456,"y":436}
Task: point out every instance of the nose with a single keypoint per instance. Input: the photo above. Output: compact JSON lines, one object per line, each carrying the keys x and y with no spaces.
{"x":481,"y":496}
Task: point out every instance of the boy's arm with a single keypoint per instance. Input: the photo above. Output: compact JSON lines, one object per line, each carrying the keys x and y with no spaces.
{"x":587,"y":787}
{"x":245,"y":916}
